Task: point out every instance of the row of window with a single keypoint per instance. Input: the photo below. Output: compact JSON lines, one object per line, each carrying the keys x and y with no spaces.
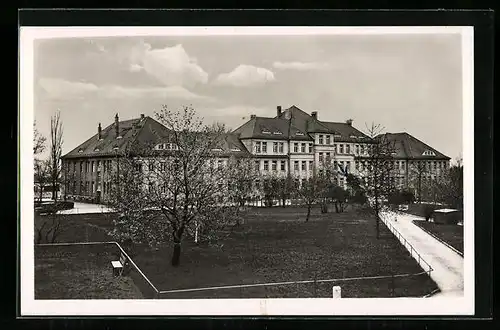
{"x":274,"y":165}
{"x":91,"y":166}
{"x":87,"y":187}
{"x":261,"y":147}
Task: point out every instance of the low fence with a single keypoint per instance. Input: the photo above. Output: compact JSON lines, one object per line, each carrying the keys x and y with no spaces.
{"x":421,"y":261}
{"x":395,"y":285}
{"x":148,"y":290}
{"x":355,"y":287}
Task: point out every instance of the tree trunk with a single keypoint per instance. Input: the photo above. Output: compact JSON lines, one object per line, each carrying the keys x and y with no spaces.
{"x":336,"y":207}
{"x":283,"y":202}
{"x":308,"y":212}
{"x":177,"y":247}
{"x":177,"y":253}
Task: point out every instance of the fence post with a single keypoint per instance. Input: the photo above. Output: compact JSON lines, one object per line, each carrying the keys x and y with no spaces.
{"x":336,"y":292}
{"x":392,"y":284}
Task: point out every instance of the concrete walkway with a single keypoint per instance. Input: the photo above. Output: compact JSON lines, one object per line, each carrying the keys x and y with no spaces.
{"x":448,"y":266}
{"x":83,"y":208}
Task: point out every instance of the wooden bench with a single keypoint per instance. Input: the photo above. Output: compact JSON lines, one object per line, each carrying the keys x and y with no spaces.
{"x":118,"y":265}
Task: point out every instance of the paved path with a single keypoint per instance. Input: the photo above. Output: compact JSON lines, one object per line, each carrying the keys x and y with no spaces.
{"x":82,"y":208}
{"x":448,"y":265}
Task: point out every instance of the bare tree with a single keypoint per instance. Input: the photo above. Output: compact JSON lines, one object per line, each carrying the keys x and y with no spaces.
{"x":270,"y":189}
{"x":378,"y":174}
{"x":241,"y":175}
{"x":162,"y":194}
{"x":42,"y":176}
{"x":418,"y":174}
{"x":309,"y":191}
{"x":56,"y":143}
{"x":49,"y":227}
{"x":38,"y":141}
{"x":450,"y":188}
{"x":285,"y":188}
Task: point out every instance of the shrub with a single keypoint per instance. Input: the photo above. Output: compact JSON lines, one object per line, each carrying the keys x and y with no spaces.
{"x":427,"y":211}
{"x":401,"y":197}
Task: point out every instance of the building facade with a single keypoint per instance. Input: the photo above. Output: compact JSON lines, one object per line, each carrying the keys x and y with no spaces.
{"x":292,"y":142}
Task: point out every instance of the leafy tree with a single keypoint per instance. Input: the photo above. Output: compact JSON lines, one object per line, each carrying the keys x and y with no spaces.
{"x":357,"y":193}
{"x":339,"y":196}
{"x":401,"y":197}
{"x":164,"y":194}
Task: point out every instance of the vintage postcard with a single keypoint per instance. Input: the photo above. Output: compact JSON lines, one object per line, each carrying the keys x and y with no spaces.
{"x":246,"y":171}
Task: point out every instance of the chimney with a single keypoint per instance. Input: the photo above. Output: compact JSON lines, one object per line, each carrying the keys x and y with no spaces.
{"x":278,"y":110}
{"x":99,"y":129}
{"x":253,"y":116}
{"x":314,"y":114}
{"x":349,"y":122}
{"x":117,"y":126}
{"x":142,"y":116}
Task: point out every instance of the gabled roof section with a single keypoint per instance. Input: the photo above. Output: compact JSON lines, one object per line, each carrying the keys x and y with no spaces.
{"x":264,"y":128}
{"x":144,"y":131}
{"x":345,"y":132}
{"x":408,"y":146}
{"x":304,"y":122}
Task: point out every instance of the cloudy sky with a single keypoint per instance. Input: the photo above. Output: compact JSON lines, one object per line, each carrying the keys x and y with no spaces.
{"x":406,"y":83}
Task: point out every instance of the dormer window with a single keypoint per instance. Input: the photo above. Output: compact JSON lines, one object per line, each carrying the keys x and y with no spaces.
{"x":428,"y":153}
{"x":217,"y":149}
{"x":96,"y":149}
{"x":337,"y":135}
{"x":277,"y":133}
{"x":353,"y":137}
{"x":265,"y":131}
{"x":119,"y":137}
{"x":299,"y":134}
{"x":235,"y":149}
{"x":80,"y":150}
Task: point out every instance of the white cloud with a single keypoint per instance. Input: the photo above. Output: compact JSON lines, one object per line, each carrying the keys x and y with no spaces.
{"x":64,"y":89}
{"x":170,"y":92}
{"x":245,"y":76}
{"x":135,"y":67}
{"x":301,"y":66}
{"x":171,"y":66}
{"x":241,"y":111}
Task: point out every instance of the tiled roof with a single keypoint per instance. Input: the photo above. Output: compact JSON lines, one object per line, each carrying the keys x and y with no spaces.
{"x":139,"y":130}
{"x":269,"y":128}
{"x":136,"y":132}
{"x":347,"y":132}
{"x":409,"y":147}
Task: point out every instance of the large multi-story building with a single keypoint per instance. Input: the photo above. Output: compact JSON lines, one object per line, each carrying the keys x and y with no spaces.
{"x":292,"y":142}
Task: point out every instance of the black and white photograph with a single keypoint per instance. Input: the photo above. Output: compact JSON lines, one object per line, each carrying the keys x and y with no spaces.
{"x":247,"y":171}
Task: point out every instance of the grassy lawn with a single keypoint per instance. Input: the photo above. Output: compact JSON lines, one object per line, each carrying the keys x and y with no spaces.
{"x":275,"y":245}
{"x":80,"y":272}
{"x":451,"y":234}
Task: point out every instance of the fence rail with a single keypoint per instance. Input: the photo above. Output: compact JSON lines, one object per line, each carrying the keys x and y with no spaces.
{"x":150,"y":291}
{"x":142,"y":276}
{"x":413,"y":252}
